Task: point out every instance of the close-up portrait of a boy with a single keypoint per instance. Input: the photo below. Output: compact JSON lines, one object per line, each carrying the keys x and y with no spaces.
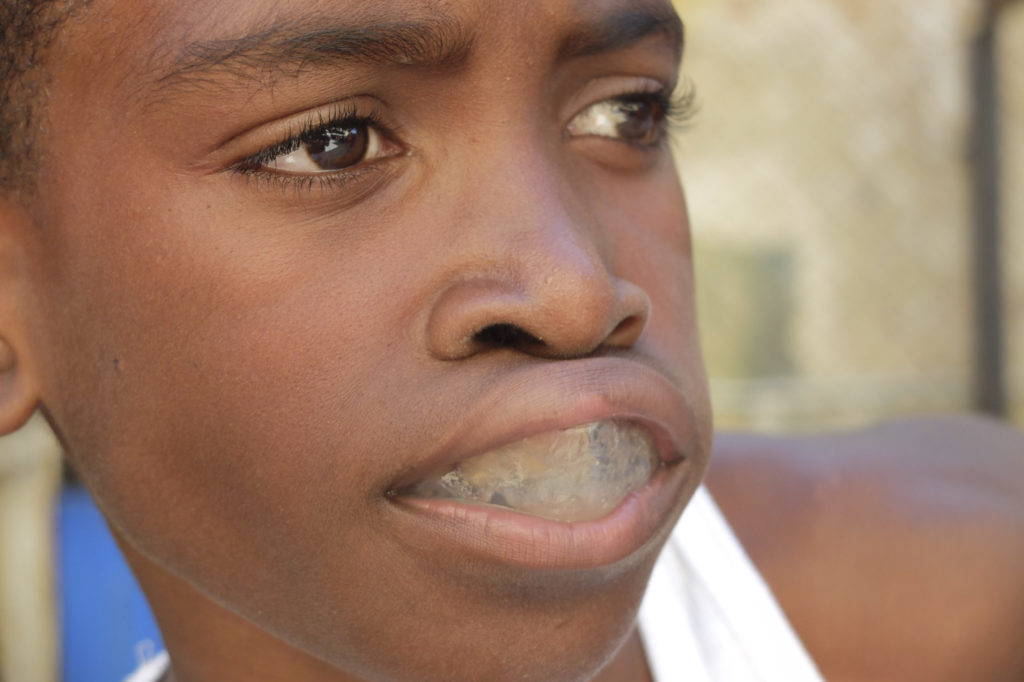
{"x":370,"y":328}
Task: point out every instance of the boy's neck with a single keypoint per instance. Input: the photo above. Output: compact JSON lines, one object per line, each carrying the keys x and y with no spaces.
{"x":629,"y":664}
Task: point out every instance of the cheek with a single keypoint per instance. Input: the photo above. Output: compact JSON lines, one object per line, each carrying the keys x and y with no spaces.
{"x":191,"y":357}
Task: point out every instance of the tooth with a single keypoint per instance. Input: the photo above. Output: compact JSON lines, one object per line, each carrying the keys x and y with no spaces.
{"x":579,"y":474}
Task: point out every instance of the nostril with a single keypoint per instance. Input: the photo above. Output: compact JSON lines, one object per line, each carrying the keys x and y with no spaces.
{"x":627,"y":331}
{"x":505,"y":335}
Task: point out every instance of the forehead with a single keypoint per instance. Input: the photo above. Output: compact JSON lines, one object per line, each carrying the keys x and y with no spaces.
{"x":170,"y":42}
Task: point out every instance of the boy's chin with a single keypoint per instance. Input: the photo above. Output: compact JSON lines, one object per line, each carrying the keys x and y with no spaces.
{"x":523,"y":632}
{"x":554,"y":647}
{"x":559,"y":626}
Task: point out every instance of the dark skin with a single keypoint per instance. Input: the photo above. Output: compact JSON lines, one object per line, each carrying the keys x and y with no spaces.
{"x":249,"y":357}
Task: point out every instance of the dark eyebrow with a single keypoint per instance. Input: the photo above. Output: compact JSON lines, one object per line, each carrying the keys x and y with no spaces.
{"x":624,"y":28}
{"x":290,"y":46}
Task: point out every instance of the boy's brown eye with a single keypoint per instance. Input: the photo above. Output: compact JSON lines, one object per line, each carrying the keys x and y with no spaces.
{"x":329,"y":149}
{"x":335,"y":149}
{"x":637,"y":121}
{"x":641,"y":121}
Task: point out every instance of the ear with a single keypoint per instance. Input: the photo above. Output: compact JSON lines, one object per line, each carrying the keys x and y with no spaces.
{"x":19,"y":382}
{"x":18,"y":391}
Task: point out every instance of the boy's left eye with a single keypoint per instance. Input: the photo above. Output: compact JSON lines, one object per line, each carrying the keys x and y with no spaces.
{"x":639,"y":120}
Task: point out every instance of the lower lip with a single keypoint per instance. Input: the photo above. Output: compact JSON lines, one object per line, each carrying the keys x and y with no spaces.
{"x":503,"y":536}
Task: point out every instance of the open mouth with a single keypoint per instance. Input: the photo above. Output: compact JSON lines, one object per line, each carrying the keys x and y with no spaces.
{"x":578,"y":474}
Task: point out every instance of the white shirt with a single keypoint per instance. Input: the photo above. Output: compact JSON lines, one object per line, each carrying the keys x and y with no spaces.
{"x":708,"y":615}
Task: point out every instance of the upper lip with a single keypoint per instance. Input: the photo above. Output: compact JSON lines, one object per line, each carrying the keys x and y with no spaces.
{"x":536,"y":398}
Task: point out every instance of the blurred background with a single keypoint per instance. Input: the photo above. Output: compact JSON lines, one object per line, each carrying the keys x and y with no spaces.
{"x":856,"y":183}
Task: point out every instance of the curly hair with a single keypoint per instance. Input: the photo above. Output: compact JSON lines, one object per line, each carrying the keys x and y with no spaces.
{"x":27,"y":29}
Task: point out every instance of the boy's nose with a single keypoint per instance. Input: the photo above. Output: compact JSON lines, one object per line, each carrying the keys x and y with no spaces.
{"x":563,"y":314}
{"x":539,"y":286}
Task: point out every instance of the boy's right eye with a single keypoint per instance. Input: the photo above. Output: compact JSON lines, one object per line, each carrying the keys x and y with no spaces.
{"x":330,"y":149}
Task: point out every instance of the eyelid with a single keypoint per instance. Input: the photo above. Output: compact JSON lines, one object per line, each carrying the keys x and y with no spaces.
{"x":282,"y":133}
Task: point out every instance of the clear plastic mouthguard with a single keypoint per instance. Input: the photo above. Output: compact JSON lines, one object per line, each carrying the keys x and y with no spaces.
{"x":579,"y":474}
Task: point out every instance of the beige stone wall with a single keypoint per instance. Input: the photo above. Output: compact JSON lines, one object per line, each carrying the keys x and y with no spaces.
{"x":29,"y":480}
{"x":831,"y":156}
{"x":1012,"y":61}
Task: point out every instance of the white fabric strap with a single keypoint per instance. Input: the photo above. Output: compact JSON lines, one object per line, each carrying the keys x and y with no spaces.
{"x":708,"y":615}
{"x":151,"y":670}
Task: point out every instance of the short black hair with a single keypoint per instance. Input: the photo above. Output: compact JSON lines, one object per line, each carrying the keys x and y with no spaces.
{"x":27,"y":28}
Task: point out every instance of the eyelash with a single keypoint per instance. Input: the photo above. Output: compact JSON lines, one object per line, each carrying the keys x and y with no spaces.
{"x":678,"y":111}
{"x":679,"y":108}
{"x":682,"y":106}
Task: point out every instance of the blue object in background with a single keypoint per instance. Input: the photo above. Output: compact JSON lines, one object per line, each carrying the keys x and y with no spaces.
{"x":103,"y":613}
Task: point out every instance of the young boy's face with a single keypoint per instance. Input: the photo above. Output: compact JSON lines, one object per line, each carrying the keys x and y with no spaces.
{"x":292,"y":257}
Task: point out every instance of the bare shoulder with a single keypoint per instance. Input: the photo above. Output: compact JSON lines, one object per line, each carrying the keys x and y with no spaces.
{"x":898,"y":552}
